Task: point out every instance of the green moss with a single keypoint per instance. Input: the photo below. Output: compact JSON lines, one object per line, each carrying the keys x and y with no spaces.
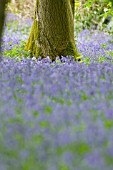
{"x":71,"y":50}
{"x":72,"y":2}
{"x":32,"y":43}
{"x":2,"y":18}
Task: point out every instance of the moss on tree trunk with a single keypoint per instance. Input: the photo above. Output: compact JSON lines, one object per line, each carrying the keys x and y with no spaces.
{"x":73,"y":6}
{"x":52,"y":33}
{"x":2,"y":17}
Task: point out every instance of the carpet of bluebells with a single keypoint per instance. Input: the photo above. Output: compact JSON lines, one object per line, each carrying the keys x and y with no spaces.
{"x":56,"y":116}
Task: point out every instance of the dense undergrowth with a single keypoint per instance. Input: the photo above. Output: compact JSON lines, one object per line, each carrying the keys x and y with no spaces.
{"x":56,"y":116}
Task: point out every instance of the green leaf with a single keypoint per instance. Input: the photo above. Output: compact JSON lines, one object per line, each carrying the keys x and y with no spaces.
{"x":108,"y":123}
{"x":36,"y":113}
{"x":109,"y":159}
{"x":80,"y":148}
{"x":48,"y":110}
{"x":44,"y":124}
{"x":38,"y":139}
{"x":63,"y":167}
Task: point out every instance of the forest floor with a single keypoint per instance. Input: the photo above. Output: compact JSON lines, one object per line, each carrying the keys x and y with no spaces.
{"x":56,"y":116}
{"x":93,"y":45}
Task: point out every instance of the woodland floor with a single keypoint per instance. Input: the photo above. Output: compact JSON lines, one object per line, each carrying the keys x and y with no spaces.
{"x":56,"y":116}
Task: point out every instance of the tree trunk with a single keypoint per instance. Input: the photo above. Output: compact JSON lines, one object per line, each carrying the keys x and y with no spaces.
{"x":2,"y":17}
{"x":52,"y":32}
{"x":73,"y":6}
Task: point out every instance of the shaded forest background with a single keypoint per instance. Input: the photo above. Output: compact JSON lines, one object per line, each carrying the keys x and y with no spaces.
{"x":88,"y":14}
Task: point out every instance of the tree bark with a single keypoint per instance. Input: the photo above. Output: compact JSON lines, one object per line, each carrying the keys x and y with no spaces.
{"x":2,"y":17}
{"x":52,"y":33}
{"x":73,"y":6}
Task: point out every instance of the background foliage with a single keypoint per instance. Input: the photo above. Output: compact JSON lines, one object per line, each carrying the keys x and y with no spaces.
{"x":23,"y":8}
{"x":87,"y":13}
{"x":92,"y":13}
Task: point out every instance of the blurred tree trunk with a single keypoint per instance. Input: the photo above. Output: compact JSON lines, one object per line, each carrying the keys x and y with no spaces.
{"x":2,"y":17}
{"x":73,"y":6}
{"x":52,"y":32}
